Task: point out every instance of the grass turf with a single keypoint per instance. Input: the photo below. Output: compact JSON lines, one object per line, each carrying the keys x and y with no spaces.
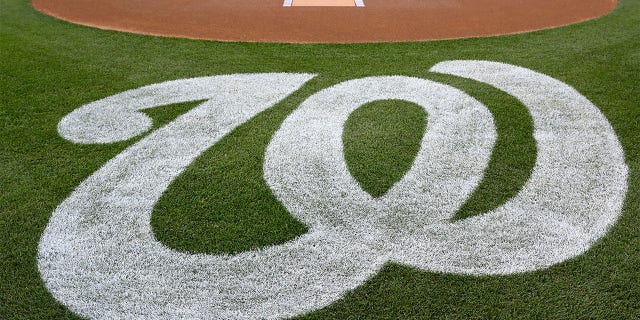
{"x":221,"y":204}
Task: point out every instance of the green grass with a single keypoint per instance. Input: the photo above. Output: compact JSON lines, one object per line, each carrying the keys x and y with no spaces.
{"x":380,"y":140}
{"x":221,"y":203}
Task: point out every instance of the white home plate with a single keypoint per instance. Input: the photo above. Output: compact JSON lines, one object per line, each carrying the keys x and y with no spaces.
{"x":323,"y":3}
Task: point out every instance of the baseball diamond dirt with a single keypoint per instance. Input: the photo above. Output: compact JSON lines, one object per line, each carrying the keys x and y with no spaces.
{"x":377,"y":21}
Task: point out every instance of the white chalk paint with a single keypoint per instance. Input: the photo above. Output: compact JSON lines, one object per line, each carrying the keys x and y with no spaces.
{"x":575,"y":192}
{"x":305,"y":166}
{"x":98,"y":255}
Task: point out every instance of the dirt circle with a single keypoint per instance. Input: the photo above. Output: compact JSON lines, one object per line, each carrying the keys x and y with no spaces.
{"x":378,"y":21}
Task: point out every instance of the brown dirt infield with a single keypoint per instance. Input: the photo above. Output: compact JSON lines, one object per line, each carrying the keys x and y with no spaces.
{"x":379,"y":21}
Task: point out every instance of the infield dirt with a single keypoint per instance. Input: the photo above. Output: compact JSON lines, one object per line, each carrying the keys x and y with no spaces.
{"x":378,"y":21}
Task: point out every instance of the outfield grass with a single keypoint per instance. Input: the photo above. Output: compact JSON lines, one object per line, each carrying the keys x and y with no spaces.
{"x":222,"y":204}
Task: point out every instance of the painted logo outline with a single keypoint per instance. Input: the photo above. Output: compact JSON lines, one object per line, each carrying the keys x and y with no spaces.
{"x":98,"y":255}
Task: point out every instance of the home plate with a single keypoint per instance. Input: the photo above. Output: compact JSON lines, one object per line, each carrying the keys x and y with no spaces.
{"x":323,"y":3}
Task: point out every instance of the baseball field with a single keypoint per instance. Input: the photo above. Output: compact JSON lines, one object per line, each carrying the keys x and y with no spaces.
{"x":155,"y":177}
